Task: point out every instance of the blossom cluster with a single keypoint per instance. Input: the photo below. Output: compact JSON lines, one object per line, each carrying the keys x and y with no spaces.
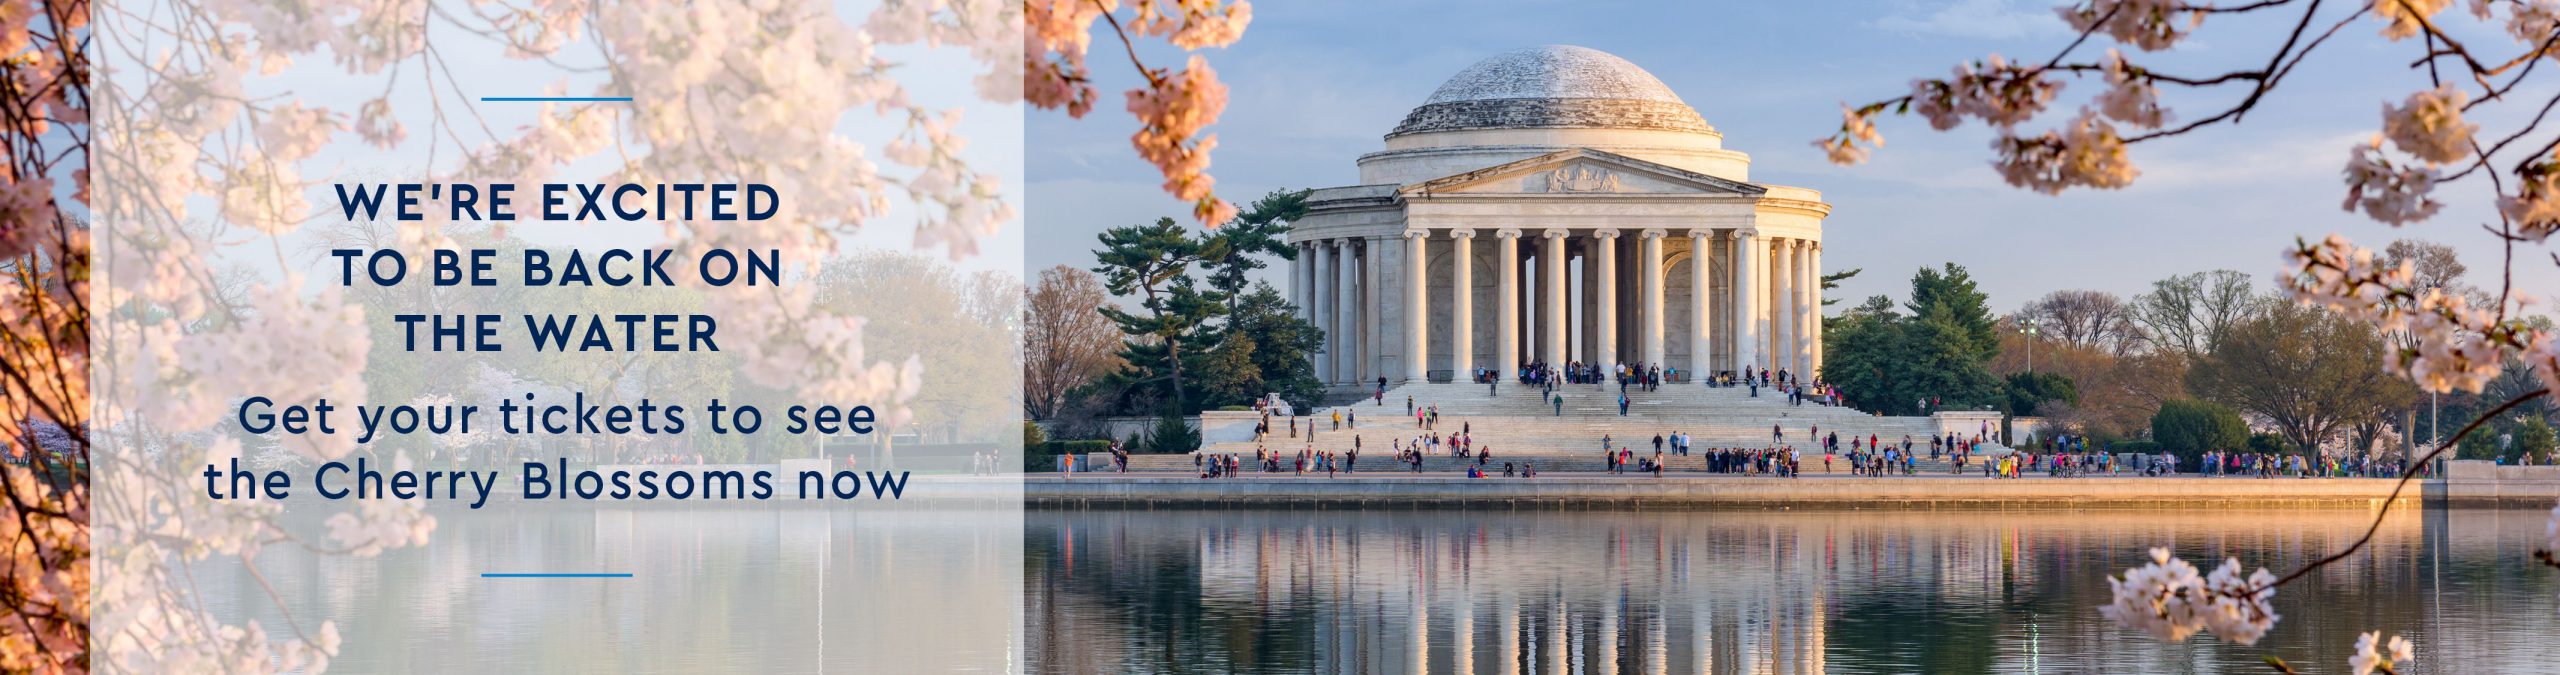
{"x":46,"y":553}
{"x":1172,"y":107}
{"x":2088,"y":151}
{"x":2131,"y":97}
{"x":2397,"y":194}
{"x":1857,"y":136}
{"x":46,"y":268}
{"x":2407,"y":18}
{"x":2429,"y":125}
{"x":2534,"y":208}
{"x":1993,"y":90}
{"x":2455,"y":345}
{"x":1171,"y":116}
{"x":2152,"y":25}
{"x":2085,"y":153}
{"x":2169,"y":600}
{"x":2372,"y":654}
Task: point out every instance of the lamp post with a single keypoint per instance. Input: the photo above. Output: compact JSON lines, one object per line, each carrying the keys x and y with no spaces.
{"x":2031,"y":345}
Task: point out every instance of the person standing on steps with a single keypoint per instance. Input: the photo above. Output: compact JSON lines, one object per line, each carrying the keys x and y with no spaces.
{"x":1622,"y":405}
{"x":1777,"y":434}
{"x":1559,"y":401}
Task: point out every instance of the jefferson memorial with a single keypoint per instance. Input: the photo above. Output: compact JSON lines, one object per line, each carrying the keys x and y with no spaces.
{"x":1551,"y":205}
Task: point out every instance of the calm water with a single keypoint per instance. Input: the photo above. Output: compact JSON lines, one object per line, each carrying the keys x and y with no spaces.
{"x":1752,"y":592}
{"x":853,"y":590}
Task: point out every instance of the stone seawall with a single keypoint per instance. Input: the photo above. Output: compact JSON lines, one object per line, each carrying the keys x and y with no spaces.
{"x":1637,"y":492}
{"x":2486,"y":484}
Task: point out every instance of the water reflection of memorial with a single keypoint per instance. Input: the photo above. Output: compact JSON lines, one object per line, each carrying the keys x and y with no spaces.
{"x":1739,"y":592}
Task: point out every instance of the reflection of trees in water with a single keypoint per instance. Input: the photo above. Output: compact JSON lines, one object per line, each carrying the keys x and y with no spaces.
{"x":1730,"y":592}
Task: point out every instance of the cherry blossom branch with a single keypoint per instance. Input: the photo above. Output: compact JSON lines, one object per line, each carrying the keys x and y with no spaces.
{"x":2405,"y":475}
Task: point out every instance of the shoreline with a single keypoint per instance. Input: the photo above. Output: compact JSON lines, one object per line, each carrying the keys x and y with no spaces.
{"x":1709,"y":493}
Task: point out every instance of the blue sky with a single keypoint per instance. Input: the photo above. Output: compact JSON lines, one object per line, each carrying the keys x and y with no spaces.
{"x":1316,"y":83}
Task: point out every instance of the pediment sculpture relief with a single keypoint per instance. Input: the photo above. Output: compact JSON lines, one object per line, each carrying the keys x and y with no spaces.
{"x":1581,"y":179}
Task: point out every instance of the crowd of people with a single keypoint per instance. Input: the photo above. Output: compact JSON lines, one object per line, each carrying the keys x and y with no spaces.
{"x":2271,"y":465}
{"x":2062,"y":455}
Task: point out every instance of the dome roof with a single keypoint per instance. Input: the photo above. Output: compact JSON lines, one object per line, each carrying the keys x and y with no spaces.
{"x":1553,"y":71}
{"x":1556,"y":86}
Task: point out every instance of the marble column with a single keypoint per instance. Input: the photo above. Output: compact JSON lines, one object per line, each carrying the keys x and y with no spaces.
{"x":1417,"y":305}
{"x":1805,"y":292}
{"x":1585,"y":295}
{"x":1462,"y":305}
{"x":1527,"y":340}
{"x":1782,"y":273}
{"x":1375,"y":292}
{"x":1746,"y":295}
{"x":1298,"y":281}
{"x":1649,"y":265}
{"x":1816,"y":263}
{"x":1551,"y":275}
{"x":1701,"y":348}
{"x":1604,"y":273}
{"x":1346,"y":317}
{"x":1506,"y":302}
{"x":1320,"y":301}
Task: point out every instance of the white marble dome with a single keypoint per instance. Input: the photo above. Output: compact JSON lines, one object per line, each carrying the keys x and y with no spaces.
{"x":1554,"y":71}
{"x":1552,"y":87}
{"x":1527,"y":102}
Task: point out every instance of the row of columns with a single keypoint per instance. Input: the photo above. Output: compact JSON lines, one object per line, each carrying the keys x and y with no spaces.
{"x":1778,"y":281}
{"x":1791,"y":637}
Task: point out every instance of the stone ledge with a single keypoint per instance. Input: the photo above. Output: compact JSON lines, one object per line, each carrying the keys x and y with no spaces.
{"x":1705,"y":493}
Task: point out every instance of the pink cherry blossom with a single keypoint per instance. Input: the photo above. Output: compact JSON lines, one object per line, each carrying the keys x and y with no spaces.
{"x":2429,"y":125}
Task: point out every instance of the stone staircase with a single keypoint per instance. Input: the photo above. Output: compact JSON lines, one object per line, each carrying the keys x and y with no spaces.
{"x":1519,"y":425}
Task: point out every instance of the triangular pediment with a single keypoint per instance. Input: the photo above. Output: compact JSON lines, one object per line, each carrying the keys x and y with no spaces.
{"x":1583,"y":171}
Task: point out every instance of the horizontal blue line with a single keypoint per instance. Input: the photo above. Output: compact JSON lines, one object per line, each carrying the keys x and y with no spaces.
{"x":555,"y":575}
{"x":565,"y":99}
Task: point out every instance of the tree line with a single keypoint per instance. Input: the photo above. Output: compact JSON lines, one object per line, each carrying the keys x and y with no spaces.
{"x":2194,"y":364}
{"x":1168,"y":323}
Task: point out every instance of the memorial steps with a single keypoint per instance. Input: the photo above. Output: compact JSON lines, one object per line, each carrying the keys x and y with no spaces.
{"x":1522,"y":426}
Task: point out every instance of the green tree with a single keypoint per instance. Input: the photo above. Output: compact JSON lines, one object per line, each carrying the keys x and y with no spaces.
{"x":1946,"y":361}
{"x":1229,"y":374}
{"x":1262,"y":229}
{"x":1832,"y":280}
{"x":2534,"y":438}
{"x":1948,"y":295}
{"x":2189,"y":428}
{"x":1153,"y":263}
{"x":1887,"y":362}
{"x":1171,"y":435}
{"x":1862,"y":350}
{"x":2309,"y":372}
{"x":1282,"y":346}
{"x":2027,"y":393}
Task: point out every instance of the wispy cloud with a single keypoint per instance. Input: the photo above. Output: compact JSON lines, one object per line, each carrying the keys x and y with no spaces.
{"x":1973,"y":19}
